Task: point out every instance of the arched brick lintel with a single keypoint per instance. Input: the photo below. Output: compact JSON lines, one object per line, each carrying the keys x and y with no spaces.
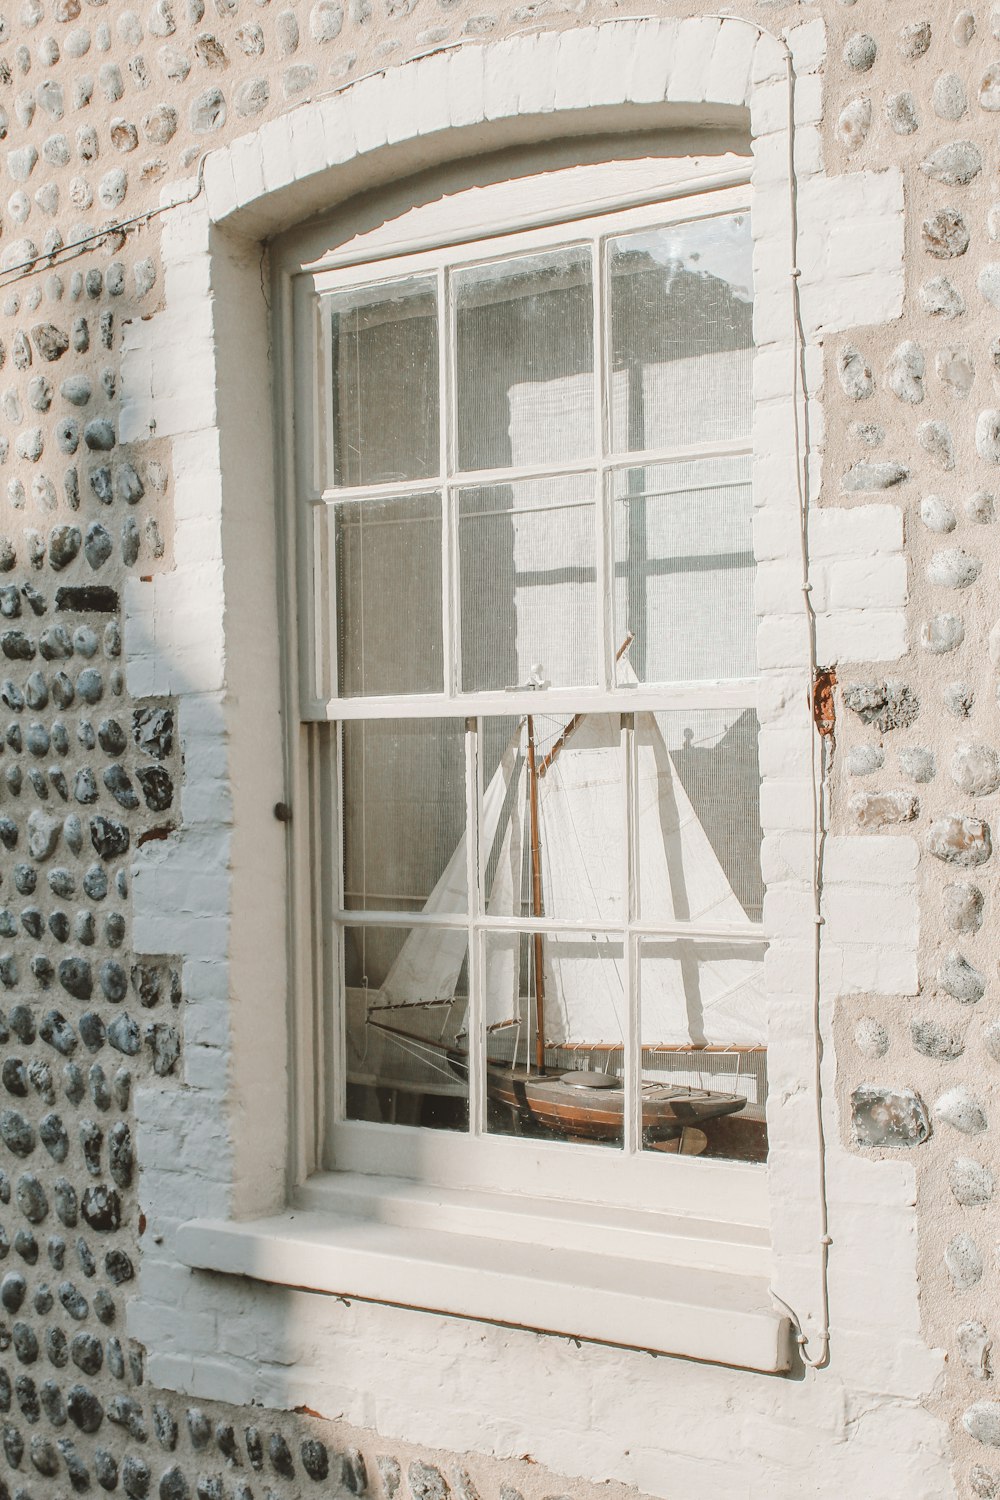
{"x":703,"y":71}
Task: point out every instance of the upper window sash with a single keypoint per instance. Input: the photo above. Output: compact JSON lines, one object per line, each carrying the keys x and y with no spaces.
{"x":604,"y":465}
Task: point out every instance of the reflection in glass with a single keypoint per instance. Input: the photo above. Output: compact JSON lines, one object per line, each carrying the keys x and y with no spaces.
{"x":387,"y":593}
{"x":385,"y":383}
{"x":558,"y":786}
{"x":697,"y":801}
{"x":404,"y":817}
{"x":407,"y":1052}
{"x":704,"y":1030}
{"x":528,"y":583}
{"x":554,"y":1011}
{"x":681,"y":333}
{"x":684,"y":571}
{"x":525,"y":353}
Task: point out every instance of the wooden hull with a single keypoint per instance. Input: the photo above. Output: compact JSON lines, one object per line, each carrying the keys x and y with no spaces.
{"x":597,"y":1114}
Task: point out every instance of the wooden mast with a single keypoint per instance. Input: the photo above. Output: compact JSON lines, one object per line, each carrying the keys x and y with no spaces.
{"x":536,"y":900}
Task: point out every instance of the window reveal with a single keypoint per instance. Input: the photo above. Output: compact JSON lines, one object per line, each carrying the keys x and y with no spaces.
{"x":536,"y":484}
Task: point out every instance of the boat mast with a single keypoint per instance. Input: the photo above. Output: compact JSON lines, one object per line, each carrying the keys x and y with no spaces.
{"x":536,"y":899}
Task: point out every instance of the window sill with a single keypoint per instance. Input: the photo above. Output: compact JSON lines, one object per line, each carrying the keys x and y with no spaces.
{"x":694,"y":1288}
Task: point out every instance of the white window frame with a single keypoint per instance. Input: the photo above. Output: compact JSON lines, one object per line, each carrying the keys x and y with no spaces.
{"x":677,"y":191}
{"x":218,"y":1197}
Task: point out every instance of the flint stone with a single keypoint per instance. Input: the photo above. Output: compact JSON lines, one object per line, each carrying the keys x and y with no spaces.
{"x":888,"y":705}
{"x":876,"y":809}
{"x":854,"y":372}
{"x":961,"y":1110}
{"x":942,"y":633}
{"x":948,"y":97}
{"x":16,"y":1133}
{"x":970,"y":1182}
{"x":958,"y":698}
{"x":914,"y":40}
{"x":988,"y":435}
{"x":982,"y":1422}
{"x":124,"y":1035}
{"x":76,"y":978}
{"x":981,"y":508}
{"x":427,"y":1482}
{"x":975,"y":769}
{"x":936,"y":441}
{"x":889,"y":1117}
{"x":864,"y":476}
{"x":101,"y":1207}
{"x":945,"y":235}
{"x":50,"y":341}
{"x":905,"y":372}
{"x":955,"y":164}
{"x":173,"y":1484}
{"x":959,"y":841}
{"x":64,"y":544}
{"x":871,"y":1037}
{"x":974,"y":1349}
{"x":934,"y":1040}
{"x":901,"y":112}
{"x":31,"y":1199}
{"x":109,"y":837}
{"x":864,"y":760}
{"x":854,"y":123}
{"x":918,"y":763}
{"x":963,"y":907}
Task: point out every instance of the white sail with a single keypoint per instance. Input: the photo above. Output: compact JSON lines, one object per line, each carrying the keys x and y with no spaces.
{"x":694,"y":991}
{"x":430,"y":961}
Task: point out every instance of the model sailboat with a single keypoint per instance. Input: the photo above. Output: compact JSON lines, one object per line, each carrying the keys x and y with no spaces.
{"x":553,"y":844}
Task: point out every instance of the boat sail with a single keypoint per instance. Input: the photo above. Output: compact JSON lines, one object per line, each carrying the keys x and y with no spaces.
{"x":552,"y":834}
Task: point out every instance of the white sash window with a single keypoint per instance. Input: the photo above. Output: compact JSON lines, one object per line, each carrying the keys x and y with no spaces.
{"x":527,"y":672}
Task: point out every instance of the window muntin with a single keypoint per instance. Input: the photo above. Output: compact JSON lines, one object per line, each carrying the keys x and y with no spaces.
{"x":538,"y":566}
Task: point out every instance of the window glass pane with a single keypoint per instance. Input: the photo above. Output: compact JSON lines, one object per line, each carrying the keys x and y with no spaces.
{"x":576,"y":980}
{"x":570,"y":809}
{"x":681,"y":333}
{"x":704,"y":1036}
{"x":698,"y":814}
{"x":386,"y":591}
{"x":684,"y":570}
{"x":525,"y":360}
{"x":404,"y":822}
{"x":386,"y":424}
{"x":528,"y":583}
{"x":407,"y":1052}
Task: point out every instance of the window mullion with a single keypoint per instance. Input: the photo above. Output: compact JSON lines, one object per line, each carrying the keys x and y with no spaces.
{"x":449,"y":550}
{"x":474,"y":1020}
{"x":605,"y":623}
{"x":632,"y":1041}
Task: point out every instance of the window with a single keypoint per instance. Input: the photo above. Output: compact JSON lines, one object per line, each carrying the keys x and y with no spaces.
{"x":527,"y":667}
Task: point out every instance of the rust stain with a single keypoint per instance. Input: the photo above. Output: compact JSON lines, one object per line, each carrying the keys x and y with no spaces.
{"x":150,"y":834}
{"x":307,"y":1411}
{"x":824,"y":712}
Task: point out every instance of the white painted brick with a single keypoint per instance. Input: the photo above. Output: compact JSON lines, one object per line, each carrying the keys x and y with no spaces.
{"x":538,"y":81}
{"x":248,"y":169}
{"x":732,"y":58}
{"x":768,"y":61}
{"x":337,"y":121}
{"x":807,"y":44}
{"x":860,"y":635}
{"x":466,"y":86}
{"x":276,"y":153}
{"x":655,"y":50}
{"x":855,"y":531}
{"x":220,"y":185}
{"x":308,"y":143}
{"x":502,"y":66}
{"x":572,"y":78}
{"x":695,"y":42}
{"x":867,"y":584}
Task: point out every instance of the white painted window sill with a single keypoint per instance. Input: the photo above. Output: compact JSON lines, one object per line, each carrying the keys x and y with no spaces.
{"x":646,"y":1280}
